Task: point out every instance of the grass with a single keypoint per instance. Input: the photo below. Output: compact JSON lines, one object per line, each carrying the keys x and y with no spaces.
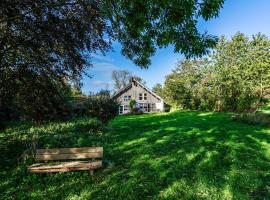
{"x":179,"y":155}
{"x":265,"y":108}
{"x":259,"y":118}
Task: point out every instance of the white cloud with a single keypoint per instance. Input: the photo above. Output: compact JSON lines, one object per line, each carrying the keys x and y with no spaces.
{"x":101,"y":84}
{"x":102,"y":58}
{"x":98,"y":83}
{"x":104,"y":67}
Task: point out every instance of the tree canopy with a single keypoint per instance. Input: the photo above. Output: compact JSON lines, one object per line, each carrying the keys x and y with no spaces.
{"x":52,"y":35}
{"x":53,"y":40}
{"x":235,"y":77}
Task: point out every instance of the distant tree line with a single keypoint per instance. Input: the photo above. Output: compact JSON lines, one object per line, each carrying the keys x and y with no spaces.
{"x":234,"y":77}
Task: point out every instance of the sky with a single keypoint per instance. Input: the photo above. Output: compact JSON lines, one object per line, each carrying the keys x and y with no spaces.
{"x":246,"y":16}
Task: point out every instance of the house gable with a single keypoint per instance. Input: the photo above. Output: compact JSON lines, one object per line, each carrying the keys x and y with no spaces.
{"x":137,"y":91}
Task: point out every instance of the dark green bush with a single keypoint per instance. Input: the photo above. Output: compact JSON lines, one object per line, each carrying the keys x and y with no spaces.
{"x":100,"y":106}
{"x":32,"y":96}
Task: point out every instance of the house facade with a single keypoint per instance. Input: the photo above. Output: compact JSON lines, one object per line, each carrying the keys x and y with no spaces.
{"x":147,"y":101}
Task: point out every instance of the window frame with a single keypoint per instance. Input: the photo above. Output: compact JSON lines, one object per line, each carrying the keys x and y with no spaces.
{"x":145,"y":96}
{"x":127,"y":97}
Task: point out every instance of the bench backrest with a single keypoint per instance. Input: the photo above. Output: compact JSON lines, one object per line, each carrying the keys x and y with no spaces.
{"x":69,"y":153}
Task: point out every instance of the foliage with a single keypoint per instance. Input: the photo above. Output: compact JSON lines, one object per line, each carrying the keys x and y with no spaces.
{"x":132,"y":104}
{"x":31,"y":96}
{"x":142,"y":26}
{"x":99,"y":105}
{"x":265,"y":108}
{"x":178,"y":155}
{"x":236,"y":77}
{"x":42,"y":44}
{"x":54,"y":40}
{"x":181,"y":85}
{"x":253,"y":118}
{"x":121,"y":78}
{"x":134,"y":110}
{"x":158,"y":89}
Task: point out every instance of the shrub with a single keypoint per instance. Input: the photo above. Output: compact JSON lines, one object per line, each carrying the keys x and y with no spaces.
{"x":33,"y":96}
{"x":136,"y":111}
{"x":132,"y":104}
{"x":100,"y":106}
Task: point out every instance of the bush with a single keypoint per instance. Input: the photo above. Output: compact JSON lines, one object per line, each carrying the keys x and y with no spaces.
{"x":100,"y":106}
{"x":132,"y":104}
{"x":32,"y":96}
{"x":253,"y":118}
{"x":136,"y":111}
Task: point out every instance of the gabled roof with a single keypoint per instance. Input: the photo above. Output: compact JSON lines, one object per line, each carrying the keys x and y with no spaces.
{"x":119,"y":92}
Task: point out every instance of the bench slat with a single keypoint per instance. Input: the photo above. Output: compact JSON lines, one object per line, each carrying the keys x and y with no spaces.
{"x":70,"y":150}
{"x":65,"y":166}
{"x":44,"y":157}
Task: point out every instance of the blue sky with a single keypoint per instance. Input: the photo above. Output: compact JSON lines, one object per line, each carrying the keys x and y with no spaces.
{"x":246,"y":16}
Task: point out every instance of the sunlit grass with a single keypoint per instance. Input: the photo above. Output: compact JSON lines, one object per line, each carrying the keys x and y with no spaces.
{"x":179,"y":155}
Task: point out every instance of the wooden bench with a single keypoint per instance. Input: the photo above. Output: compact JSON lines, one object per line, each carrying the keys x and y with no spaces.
{"x":74,"y":154}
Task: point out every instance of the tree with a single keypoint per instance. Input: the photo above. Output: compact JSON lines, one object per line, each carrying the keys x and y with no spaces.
{"x":242,"y":71}
{"x":52,"y":35}
{"x":54,"y":39}
{"x":47,"y":40}
{"x":235,"y":77}
{"x":37,"y":97}
{"x":121,"y":78}
{"x":180,"y":85}
{"x":141,"y":26}
{"x":158,"y":89}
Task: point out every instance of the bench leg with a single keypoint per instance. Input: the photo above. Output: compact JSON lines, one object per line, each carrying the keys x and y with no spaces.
{"x":41,"y":178}
{"x":92,"y":171}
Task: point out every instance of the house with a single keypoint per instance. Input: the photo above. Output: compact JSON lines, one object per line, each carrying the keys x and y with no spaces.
{"x":147,"y":101}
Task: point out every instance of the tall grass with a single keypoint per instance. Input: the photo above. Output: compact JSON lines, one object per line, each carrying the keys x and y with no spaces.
{"x":254,"y":118}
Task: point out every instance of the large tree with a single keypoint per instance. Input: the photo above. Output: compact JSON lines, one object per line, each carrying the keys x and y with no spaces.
{"x":158,"y":89}
{"x":236,"y":77}
{"x":52,"y":35}
{"x":55,"y":39}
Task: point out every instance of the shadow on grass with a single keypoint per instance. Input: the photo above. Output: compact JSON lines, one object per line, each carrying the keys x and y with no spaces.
{"x":180,"y":155}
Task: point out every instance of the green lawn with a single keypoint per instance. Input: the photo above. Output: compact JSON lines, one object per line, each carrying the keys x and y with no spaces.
{"x":265,"y":108}
{"x":179,"y":155}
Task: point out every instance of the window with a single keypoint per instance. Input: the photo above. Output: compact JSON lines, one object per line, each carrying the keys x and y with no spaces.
{"x":125,"y":108}
{"x":145,"y":96}
{"x":127,"y":98}
{"x":120,"y":110}
{"x":142,"y":96}
{"x":144,"y":107}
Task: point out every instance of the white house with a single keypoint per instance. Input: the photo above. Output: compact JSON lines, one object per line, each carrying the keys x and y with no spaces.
{"x":147,"y":101}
